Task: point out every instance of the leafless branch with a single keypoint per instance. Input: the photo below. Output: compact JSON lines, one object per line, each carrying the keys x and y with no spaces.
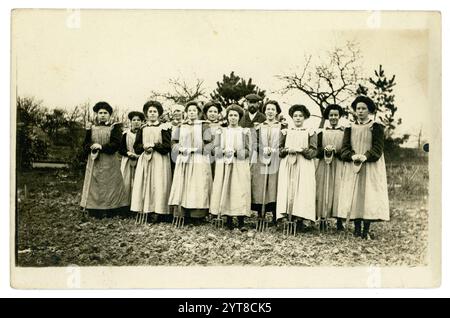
{"x":180,"y":91}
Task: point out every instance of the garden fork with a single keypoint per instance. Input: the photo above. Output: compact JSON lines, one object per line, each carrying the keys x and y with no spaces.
{"x":290,"y":227}
{"x":178,"y":220}
{"x":218,"y":221}
{"x":141,"y":218}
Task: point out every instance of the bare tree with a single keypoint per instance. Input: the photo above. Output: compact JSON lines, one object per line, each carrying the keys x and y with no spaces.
{"x":75,"y":115}
{"x":334,"y":81}
{"x":30,"y":111}
{"x":118,"y":115}
{"x":181,"y":92}
{"x":30,"y":144}
{"x":53,"y":121}
{"x":80,"y":115}
{"x":84,"y":114}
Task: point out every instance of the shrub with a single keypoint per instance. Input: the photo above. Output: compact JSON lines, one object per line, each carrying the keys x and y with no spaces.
{"x":30,"y":147}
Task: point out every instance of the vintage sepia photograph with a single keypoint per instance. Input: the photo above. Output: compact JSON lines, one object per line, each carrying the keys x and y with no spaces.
{"x":210,"y":148}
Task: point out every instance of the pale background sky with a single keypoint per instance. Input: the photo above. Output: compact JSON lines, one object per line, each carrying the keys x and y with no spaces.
{"x":66,"y":58}
{"x":314,"y":5}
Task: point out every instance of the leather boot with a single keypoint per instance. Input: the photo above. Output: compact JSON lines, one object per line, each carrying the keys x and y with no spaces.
{"x":365,"y":233}
{"x":339,"y":225}
{"x":229,"y":223}
{"x":241,"y":225}
{"x":357,"y":232}
{"x":274,"y":218}
{"x":300,"y":225}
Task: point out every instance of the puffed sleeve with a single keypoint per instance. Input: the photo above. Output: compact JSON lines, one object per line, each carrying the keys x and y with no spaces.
{"x":175,"y":139}
{"x":347,"y":152}
{"x":338,"y":153}
{"x":375,"y":152}
{"x":311,"y":151}
{"x":282,"y":147}
{"x":320,"y":145}
{"x":208,"y":139}
{"x":217,"y":136}
{"x":114,"y":141}
{"x":245,"y":151}
{"x":247,"y":143}
{"x":258,"y":138}
{"x":216,"y":150}
{"x":253,"y":142}
{"x":138,"y":142}
{"x":163,"y":147}
{"x":206,"y":134}
{"x":87,"y":143}
{"x":123,"y":145}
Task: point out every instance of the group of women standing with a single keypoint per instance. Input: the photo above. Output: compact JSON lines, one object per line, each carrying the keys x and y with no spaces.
{"x":231,"y":164}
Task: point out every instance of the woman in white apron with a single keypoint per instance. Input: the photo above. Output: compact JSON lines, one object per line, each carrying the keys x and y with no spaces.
{"x":232,"y":187}
{"x":192,"y":179}
{"x":129,"y":157}
{"x":364,"y":195}
{"x":330,"y":168}
{"x":267,"y":161}
{"x":152,"y":180}
{"x":296,"y":181}
{"x":103,"y":187}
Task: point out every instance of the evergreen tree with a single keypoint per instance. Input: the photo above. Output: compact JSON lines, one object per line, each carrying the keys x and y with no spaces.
{"x":233,"y":88}
{"x":382,"y":93}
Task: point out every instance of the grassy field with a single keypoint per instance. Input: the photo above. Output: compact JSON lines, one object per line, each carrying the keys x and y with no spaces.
{"x":51,"y":232}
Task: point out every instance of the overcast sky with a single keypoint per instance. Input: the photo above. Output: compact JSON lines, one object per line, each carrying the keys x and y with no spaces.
{"x":65,"y":58}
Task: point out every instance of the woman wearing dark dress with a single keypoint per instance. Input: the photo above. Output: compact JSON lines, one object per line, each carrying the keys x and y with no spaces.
{"x":330,"y":168}
{"x":103,"y":188}
{"x":153,"y":178}
{"x":268,"y":161}
{"x":364,"y":196}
